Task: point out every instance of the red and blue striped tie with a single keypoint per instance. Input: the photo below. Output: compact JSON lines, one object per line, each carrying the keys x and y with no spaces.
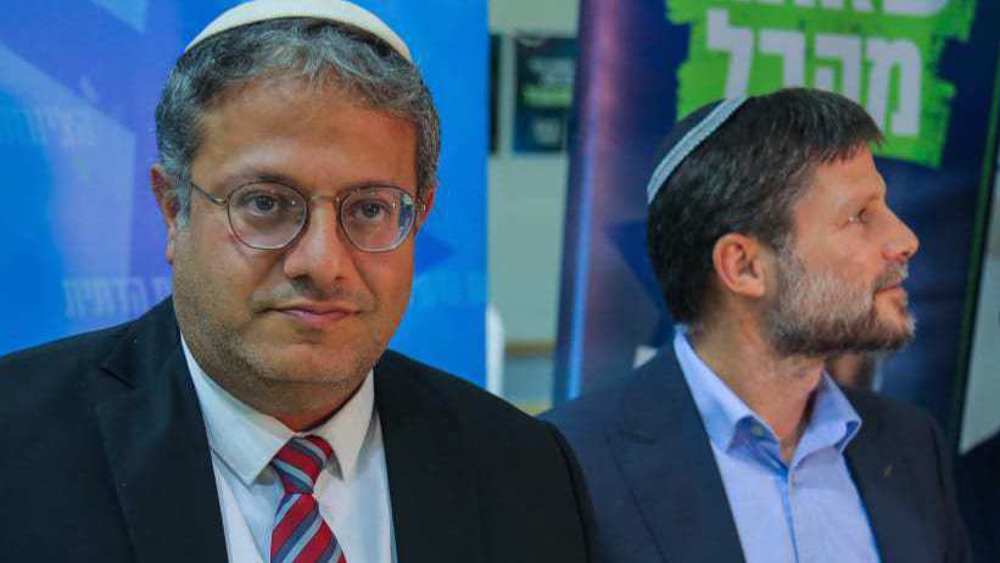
{"x":300,"y":534}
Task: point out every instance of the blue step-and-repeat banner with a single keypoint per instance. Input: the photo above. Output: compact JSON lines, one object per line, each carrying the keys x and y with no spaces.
{"x":81,"y":241}
{"x":927,"y":72}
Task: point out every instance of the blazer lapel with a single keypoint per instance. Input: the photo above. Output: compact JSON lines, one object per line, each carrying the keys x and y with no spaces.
{"x":665,"y":457}
{"x":882,"y":481}
{"x":155,"y":442}
{"x":435,"y":512}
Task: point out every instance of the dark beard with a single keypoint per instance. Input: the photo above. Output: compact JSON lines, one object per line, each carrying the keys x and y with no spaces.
{"x":820,"y":314}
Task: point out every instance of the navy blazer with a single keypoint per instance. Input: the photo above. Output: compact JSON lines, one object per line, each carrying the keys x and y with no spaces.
{"x":105,"y":458}
{"x":658,"y":495}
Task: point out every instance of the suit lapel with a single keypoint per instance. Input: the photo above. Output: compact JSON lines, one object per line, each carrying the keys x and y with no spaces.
{"x":882,"y":481}
{"x":155,"y":442}
{"x":435,"y":513}
{"x":665,"y":457}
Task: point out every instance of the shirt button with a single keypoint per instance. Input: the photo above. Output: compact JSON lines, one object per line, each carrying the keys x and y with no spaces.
{"x":758,"y":430}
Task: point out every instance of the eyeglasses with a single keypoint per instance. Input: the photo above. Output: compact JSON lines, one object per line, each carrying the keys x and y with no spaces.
{"x":270,"y":215}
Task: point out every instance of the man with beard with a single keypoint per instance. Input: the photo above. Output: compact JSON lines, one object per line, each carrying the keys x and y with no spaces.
{"x":772,"y":240}
{"x":257,"y":415}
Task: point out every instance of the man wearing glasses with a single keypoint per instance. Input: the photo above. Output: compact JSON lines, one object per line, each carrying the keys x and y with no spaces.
{"x":257,"y":415}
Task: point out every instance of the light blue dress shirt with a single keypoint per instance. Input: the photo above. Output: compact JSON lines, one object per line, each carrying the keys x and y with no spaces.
{"x":807,"y":511}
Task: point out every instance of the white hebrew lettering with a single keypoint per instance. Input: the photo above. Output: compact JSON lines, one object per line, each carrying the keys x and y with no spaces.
{"x":736,"y":41}
{"x":914,"y":7}
{"x":791,"y":47}
{"x":863,"y":6}
{"x":114,"y":297}
{"x":885,"y":56}
{"x":102,"y":298}
{"x":73,"y":296}
{"x":859,"y":5}
{"x":847,"y":50}
{"x":130,"y":295}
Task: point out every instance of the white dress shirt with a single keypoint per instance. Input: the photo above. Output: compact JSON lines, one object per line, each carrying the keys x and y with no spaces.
{"x":352,"y":490}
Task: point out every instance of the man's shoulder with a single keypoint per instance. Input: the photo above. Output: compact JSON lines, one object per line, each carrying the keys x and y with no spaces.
{"x":52,"y":385}
{"x":890,"y":427}
{"x":59,"y":359}
{"x":55,"y":350}
{"x":520,"y":478}
{"x":635,"y":391}
{"x":435,"y":388}
{"x":80,"y":349}
{"x":887,"y":413}
{"x":34,"y":377}
{"x":593,"y":409}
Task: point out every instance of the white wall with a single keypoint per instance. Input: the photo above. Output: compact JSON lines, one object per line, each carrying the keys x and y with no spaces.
{"x":526,"y":193}
{"x":508,"y":16}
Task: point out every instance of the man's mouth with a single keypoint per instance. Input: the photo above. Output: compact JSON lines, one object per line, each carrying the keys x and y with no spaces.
{"x":892,"y":279}
{"x":316,"y":315}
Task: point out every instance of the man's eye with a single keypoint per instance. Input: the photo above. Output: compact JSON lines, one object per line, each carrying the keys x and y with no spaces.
{"x":264,"y":203}
{"x":370,"y":210}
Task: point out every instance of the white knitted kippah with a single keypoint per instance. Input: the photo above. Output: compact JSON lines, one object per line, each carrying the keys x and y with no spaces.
{"x":338,"y":11}
{"x":687,"y":135}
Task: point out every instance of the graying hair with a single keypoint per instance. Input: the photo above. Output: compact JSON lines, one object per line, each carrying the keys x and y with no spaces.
{"x":318,"y":51}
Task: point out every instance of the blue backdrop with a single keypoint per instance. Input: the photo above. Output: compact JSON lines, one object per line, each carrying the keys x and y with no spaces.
{"x":925,"y":69}
{"x":82,"y":243}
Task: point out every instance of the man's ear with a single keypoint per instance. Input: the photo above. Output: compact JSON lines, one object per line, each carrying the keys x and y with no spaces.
{"x":427,"y":199}
{"x":170,"y":208}
{"x":739,"y":265}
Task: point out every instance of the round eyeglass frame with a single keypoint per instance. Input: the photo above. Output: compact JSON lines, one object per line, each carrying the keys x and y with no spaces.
{"x":405,"y":197}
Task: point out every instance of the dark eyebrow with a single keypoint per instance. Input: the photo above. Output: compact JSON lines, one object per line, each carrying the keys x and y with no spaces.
{"x":252,"y":176}
{"x":264,"y":175}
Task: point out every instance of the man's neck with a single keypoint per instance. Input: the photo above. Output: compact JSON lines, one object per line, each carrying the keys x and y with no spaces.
{"x":778,"y":388}
{"x":302,"y":406}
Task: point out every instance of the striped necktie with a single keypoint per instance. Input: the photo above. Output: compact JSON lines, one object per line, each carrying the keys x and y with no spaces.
{"x":300,"y":534}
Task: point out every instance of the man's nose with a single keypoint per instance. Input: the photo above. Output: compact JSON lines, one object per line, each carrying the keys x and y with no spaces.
{"x":902,"y":243}
{"x":321,"y":254}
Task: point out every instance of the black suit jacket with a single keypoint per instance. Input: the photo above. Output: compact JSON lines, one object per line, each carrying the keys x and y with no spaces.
{"x":658,"y":495}
{"x":979,"y":495}
{"x":105,"y":458}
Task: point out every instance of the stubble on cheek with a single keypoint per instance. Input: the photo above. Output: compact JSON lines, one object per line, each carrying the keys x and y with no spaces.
{"x":208,"y":308}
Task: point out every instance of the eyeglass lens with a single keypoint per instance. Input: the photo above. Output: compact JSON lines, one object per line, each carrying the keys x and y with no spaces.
{"x":270,"y":215}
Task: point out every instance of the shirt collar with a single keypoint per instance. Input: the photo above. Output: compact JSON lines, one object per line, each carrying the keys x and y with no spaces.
{"x":722,"y":411}
{"x":728,"y":420}
{"x":834,"y":421}
{"x":246,"y":440}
